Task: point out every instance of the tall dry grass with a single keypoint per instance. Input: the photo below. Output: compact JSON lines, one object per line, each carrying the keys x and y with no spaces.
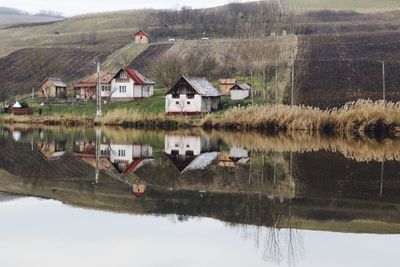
{"x":359,"y":116}
{"x":136,"y":118}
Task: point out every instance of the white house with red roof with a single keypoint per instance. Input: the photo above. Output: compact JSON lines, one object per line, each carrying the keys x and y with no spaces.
{"x":129,"y":84}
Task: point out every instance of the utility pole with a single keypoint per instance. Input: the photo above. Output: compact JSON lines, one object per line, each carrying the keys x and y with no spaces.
{"x":382,"y":173}
{"x":98,"y":93}
{"x":291,"y":95}
{"x":98,"y":152}
{"x":276,"y":82}
{"x":252,"y":91}
{"x":383,"y":82}
{"x":264,"y":85}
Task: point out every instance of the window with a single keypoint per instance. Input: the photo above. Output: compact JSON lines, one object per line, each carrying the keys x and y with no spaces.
{"x":106,"y":88}
{"x":188,"y":102}
{"x":122,"y":88}
{"x":121,"y":153}
{"x":177,"y":102}
{"x":123,"y":75}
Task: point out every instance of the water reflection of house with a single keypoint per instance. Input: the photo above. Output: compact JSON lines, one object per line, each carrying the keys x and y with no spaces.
{"x":138,"y":189}
{"x":236,"y":156}
{"x":190,"y":152}
{"x":129,"y":158}
{"x":124,"y":158}
{"x":51,"y":150}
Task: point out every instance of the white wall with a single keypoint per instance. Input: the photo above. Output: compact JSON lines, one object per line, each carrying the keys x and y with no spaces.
{"x":115,"y":89}
{"x":239,"y":94}
{"x":115,"y":156}
{"x":143,"y":90}
{"x":181,"y":104}
{"x":183,"y":144}
{"x":142,"y":151}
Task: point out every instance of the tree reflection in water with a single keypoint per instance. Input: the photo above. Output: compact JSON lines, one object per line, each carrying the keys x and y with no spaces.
{"x":278,"y":245}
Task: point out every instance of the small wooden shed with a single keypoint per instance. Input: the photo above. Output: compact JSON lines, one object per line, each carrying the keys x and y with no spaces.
{"x":240,"y":91}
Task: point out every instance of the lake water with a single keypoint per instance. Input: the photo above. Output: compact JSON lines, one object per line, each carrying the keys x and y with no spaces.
{"x":124,"y":197}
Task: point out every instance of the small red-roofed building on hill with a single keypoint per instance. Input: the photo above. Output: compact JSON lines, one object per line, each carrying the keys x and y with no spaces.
{"x":141,"y":37}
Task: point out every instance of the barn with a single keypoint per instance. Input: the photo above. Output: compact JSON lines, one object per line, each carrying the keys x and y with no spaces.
{"x":192,"y":96}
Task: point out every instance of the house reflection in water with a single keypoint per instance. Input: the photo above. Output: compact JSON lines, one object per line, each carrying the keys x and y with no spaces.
{"x":51,"y":149}
{"x":138,"y":189}
{"x":190,"y":152}
{"x":123,"y":158}
{"x":128,"y":158}
{"x":236,"y":156}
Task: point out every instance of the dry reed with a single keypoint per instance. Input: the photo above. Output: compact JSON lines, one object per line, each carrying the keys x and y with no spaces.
{"x":359,"y":116}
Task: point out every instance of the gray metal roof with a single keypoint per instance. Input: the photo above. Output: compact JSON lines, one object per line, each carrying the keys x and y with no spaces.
{"x":202,"y":161}
{"x":57,"y":82}
{"x":203,"y":87}
{"x":145,"y":79}
{"x":241,"y":86}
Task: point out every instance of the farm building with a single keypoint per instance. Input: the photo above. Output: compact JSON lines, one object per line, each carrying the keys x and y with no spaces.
{"x":85,"y":89}
{"x":141,"y":37}
{"x":190,"y":152}
{"x":18,"y":109}
{"x":52,"y":87}
{"x":192,"y":96}
{"x":225,"y":85}
{"x":240,"y":91}
{"x":129,"y":84}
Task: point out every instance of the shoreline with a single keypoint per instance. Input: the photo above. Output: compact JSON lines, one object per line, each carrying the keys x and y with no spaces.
{"x":372,"y":118}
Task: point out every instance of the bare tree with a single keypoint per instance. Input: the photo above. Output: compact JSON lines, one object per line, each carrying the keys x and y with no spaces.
{"x":168,"y":70}
{"x":40,"y":64}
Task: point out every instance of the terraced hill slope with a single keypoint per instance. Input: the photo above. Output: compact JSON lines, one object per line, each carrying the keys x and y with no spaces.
{"x":335,"y":69}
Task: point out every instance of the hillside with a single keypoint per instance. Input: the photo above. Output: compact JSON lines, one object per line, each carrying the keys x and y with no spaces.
{"x":11,"y":16}
{"x":69,"y":64}
{"x":366,"y":6}
{"x":231,"y":20}
{"x":335,"y":69}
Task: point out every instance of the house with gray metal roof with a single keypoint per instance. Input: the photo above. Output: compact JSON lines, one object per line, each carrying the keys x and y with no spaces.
{"x":192,"y":96}
{"x":52,"y":87}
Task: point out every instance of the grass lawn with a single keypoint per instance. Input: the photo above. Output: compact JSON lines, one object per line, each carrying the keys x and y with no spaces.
{"x":155,"y":104}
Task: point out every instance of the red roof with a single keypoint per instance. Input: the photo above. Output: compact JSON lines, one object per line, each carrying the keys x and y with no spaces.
{"x":84,"y":85}
{"x":84,"y":155}
{"x":133,"y":166}
{"x":141,"y":33}
{"x":137,"y":77}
